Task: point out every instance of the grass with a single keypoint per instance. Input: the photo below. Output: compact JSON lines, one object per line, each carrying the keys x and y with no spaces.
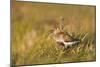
{"x":31,"y":42}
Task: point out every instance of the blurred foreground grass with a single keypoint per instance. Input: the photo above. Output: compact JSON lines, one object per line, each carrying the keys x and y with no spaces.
{"x":31,"y":43}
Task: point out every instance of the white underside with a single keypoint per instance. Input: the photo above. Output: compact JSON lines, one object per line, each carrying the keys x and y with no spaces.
{"x":70,"y":43}
{"x":66,"y":43}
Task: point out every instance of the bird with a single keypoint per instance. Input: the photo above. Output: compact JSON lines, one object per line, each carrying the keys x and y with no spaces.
{"x":63,"y":38}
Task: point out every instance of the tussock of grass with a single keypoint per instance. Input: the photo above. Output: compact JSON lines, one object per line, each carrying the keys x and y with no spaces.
{"x":45,"y":50}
